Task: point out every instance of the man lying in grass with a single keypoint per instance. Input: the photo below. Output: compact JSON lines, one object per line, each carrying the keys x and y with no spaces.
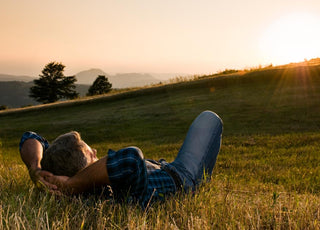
{"x":70,"y":166}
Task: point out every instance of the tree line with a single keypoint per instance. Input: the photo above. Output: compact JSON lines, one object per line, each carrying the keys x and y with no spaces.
{"x":53,"y":85}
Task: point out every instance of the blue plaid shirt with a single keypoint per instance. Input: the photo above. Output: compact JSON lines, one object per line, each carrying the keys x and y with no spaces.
{"x":132,"y":178}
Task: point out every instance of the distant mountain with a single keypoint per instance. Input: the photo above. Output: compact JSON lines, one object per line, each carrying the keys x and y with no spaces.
{"x":7,"y":77}
{"x":88,"y":76}
{"x":120,"y":80}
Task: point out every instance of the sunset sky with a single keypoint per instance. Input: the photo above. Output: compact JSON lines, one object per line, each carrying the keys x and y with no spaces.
{"x":157,"y":36}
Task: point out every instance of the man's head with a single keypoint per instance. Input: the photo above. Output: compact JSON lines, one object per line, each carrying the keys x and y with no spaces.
{"x":67,"y":155}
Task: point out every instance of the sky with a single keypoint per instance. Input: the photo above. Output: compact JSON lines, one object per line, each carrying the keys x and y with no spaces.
{"x":156,"y":36}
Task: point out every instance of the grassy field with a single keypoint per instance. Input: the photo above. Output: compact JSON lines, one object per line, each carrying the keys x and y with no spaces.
{"x":267,"y":174}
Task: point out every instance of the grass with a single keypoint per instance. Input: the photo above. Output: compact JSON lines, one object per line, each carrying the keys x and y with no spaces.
{"x":266,"y":177}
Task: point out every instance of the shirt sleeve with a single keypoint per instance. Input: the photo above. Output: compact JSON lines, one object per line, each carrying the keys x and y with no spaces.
{"x":127,"y":173}
{"x":33,"y":135}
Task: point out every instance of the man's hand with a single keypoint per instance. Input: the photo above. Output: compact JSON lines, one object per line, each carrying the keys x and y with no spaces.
{"x":60,"y":182}
{"x":95,"y":175}
{"x":39,"y":177}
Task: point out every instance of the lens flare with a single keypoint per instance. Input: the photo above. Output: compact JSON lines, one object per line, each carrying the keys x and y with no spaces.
{"x":292,"y":38}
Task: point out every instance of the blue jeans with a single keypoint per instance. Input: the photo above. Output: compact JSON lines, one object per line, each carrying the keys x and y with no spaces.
{"x":131,"y":175}
{"x":199,"y":151}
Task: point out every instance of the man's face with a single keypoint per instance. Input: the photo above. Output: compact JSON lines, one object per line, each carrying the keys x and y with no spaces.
{"x":91,"y":154}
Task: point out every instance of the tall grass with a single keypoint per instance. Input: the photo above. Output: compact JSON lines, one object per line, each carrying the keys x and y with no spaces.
{"x":266,"y":177}
{"x":224,"y":203}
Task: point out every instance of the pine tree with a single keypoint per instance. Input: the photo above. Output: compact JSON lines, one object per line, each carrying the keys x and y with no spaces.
{"x":100,"y":86}
{"x":53,"y":85}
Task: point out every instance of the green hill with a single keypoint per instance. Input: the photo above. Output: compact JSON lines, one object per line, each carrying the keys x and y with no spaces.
{"x":267,"y":174}
{"x":261,"y":101}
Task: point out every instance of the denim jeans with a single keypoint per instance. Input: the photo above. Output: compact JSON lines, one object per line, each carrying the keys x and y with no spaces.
{"x":199,"y":151}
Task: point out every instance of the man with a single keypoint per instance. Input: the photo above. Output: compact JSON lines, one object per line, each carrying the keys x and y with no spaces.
{"x":130,"y":176}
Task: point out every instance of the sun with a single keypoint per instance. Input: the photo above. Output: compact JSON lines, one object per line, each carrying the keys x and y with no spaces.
{"x":292,"y":38}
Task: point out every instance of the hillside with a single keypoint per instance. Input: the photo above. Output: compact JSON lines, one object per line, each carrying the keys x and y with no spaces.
{"x":266,"y":93}
{"x":266,"y":175}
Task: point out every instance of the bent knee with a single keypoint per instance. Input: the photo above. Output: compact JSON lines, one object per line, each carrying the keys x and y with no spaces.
{"x":211,"y":117}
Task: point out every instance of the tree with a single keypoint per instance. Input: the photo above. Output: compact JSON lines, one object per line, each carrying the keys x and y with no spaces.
{"x":53,"y":85}
{"x":100,"y":86}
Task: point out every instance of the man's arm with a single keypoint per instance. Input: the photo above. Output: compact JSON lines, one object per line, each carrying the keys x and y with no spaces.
{"x":95,"y":175}
{"x":31,"y":154}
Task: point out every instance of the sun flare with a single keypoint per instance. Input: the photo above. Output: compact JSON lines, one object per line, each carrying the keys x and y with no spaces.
{"x":292,"y":38}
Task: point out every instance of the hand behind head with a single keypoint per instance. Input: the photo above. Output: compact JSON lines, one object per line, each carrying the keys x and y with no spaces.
{"x":60,"y":182}
{"x":39,"y":176}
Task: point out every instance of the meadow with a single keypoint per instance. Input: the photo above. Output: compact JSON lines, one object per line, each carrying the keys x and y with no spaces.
{"x":267,"y":175}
